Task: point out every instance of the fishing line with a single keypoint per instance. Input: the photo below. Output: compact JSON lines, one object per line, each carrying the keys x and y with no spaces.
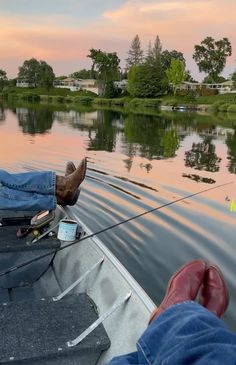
{"x":14,"y":268}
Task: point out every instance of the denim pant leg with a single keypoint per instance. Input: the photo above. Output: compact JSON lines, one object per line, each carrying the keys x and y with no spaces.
{"x":184,"y":334}
{"x":27,"y":191}
{"x":187,"y":333}
{"x":42,"y":182}
{"x":11,"y":199}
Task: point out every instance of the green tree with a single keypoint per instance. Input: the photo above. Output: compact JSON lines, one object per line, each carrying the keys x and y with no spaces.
{"x":154,"y":53}
{"x":47,"y":75}
{"x":234,"y":79}
{"x":157,"y":48}
{"x":209,"y":79}
{"x":188,"y":76}
{"x":167,"y":56}
{"x":145,"y":81}
{"x":37,"y":73}
{"x":135,"y":53}
{"x":83,"y":74}
{"x":211,"y":56}
{"x":3,"y":79}
{"x":93,"y":55}
{"x":106,"y":65}
{"x":176,"y":73}
{"x":111,"y":91}
{"x":148,"y":79}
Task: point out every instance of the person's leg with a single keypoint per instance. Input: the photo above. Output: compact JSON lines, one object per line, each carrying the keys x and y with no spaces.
{"x":187,"y":333}
{"x":184,"y":332}
{"x":128,"y":359}
{"x":42,"y":182}
{"x":11,"y":199}
{"x":63,"y":189}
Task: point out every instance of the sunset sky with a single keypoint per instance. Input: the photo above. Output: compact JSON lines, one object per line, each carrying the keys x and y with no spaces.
{"x":61,"y":32}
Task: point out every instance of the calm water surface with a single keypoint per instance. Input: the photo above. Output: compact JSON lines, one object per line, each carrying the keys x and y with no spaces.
{"x":135,"y":163}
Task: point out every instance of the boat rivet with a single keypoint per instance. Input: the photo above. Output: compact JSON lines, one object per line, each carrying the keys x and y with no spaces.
{"x":59,"y":349}
{"x":11,"y":358}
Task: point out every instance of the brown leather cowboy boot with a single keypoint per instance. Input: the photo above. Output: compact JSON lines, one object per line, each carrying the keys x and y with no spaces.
{"x":214,"y":292}
{"x":70,"y":168}
{"x":183,"y":286}
{"x":67,"y":186}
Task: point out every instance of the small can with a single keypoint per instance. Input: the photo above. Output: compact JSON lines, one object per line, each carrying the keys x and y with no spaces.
{"x":67,"y":230}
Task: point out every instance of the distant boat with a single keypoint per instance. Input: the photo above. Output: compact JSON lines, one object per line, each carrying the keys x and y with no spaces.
{"x":181,"y":108}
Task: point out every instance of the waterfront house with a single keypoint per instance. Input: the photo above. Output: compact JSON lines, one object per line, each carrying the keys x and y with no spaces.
{"x":89,"y":85}
{"x":77,"y":84}
{"x":25,"y":83}
{"x":221,"y":87}
{"x":67,"y":83}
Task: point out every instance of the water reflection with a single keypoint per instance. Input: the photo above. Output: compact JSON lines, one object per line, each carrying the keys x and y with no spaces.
{"x":202,"y":156}
{"x":34,"y":121}
{"x":231,"y":143}
{"x":156,"y":136}
{"x":152,"y":160}
{"x":153,"y":137}
{"x":199,"y":178}
{"x":2,"y":114}
{"x":104,"y":132}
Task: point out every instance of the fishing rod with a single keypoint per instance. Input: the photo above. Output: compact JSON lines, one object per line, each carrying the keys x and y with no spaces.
{"x":23,"y":264}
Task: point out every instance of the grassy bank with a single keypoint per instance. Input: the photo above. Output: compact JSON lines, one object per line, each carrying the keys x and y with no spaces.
{"x":52,"y":96}
{"x":213,"y":103}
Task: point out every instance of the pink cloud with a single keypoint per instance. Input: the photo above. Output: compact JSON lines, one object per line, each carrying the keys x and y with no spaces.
{"x":178,"y":24}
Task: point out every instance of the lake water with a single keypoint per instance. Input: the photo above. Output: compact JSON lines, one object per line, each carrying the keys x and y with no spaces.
{"x":136,"y":163}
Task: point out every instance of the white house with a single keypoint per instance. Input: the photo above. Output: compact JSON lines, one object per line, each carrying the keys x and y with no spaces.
{"x":223,"y":87}
{"x":89,"y":85}
{"x":68,"y":83}
{"x":121,"y":84}
{"x":24,"y":83}
{"x":77,"y":84}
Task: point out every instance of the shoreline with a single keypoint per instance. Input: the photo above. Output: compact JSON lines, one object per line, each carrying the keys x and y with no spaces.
{"x":216,"y":103}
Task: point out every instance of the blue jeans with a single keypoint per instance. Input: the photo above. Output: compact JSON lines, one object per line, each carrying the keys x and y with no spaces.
{"x":184,"y":334}
{"x":28,"y":190}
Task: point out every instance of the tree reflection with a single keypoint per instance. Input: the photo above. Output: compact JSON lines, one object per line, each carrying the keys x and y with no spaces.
{"x":33,"y":121}
{"x":198,"y":178}
{"x":202,"y":156}
{"x":156,"y":137}
{"x":231,"y":143}
{"x":104,"y":132}
{"x":2,"y":114}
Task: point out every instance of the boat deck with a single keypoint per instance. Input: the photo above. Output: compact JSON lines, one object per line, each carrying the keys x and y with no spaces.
{"x":85,"y":270}
{"x":38,"y":331}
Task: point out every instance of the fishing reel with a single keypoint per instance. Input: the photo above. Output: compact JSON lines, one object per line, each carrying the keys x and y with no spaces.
{"x":39,"y":224}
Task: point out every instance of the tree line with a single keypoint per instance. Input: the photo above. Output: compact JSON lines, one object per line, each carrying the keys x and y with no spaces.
{"x":150,"y":73}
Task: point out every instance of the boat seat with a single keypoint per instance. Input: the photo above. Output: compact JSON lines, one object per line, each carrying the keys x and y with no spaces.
{"x":20,"y":293}
{"x":37,"y":331}
{"x":15,"y":251}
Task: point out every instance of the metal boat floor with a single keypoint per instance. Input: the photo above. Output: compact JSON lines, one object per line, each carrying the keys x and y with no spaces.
{"x":37,"y":331}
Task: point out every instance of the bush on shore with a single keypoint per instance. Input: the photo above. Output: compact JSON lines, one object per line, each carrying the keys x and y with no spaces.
{"x":30,"y":97}
{"x":223,"y":107}
{"x":232,"y":109}
{"x":86,"y":100}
